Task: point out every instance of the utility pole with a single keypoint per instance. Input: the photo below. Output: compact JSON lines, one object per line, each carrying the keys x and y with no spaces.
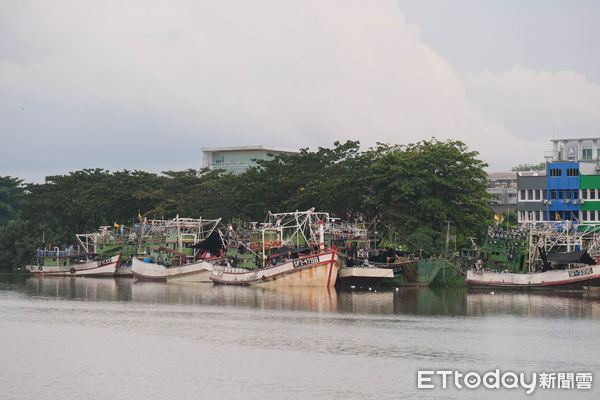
{"x":447,"y":239}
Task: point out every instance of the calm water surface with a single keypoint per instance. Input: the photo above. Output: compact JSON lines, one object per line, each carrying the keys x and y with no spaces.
{"x":85,"y":338}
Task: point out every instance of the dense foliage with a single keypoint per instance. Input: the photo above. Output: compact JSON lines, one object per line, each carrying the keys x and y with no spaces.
{"x":414,"y":192}
{"x":530,"y":167}
{"x":9,"y":198}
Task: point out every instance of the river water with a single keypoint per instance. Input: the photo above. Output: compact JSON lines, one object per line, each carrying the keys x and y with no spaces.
{"x":92,"y":338}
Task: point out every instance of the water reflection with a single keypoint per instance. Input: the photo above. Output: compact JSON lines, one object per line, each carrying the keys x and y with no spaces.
{"x":414,"y":301}
{"x":550,"y":304}
{"x":91,"y":289}
{"x":305,"y":299}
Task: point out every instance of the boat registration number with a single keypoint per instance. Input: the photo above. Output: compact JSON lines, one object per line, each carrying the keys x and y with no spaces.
{"x":580,"y":272}
{"x":104,"y":262}
{"x":305,"y":261}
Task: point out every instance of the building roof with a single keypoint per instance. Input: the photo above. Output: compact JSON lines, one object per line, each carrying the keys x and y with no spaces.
{"x":249,"y":148}
{"x":574,"y":139}
{"x":532,"y":173}
{"x":502,"y":175}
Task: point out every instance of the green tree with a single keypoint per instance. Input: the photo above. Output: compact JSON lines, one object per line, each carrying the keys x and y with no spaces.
{"x":10,"y":189}
{"x":429,"y":183}
{"x":530,"y":167}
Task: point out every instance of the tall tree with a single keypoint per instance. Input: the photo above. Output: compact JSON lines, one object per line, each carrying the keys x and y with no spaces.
{"x":430,"y":183}
{"x":10,"y":189}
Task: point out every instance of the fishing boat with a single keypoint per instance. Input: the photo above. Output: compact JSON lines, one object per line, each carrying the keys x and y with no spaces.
{"x":316,"y":269}
{"x":57,"y":262}
{"x":287,"y":250}
{"x":181,"y":249}
{"x":145,"y":269}
{"x":355,"y":250}
{"x":550,"y":256}
{"x":109,"y":241}
{"x":575,"y":278}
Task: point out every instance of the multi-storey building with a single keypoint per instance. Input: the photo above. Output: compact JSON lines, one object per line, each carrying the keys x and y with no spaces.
{"x":589,"y":196}
{"x":562,"y":191}
{"x":237,"y":160}
{"x":569,"y":190}
{"x":532,"y":196}
{"x":503,"y":188}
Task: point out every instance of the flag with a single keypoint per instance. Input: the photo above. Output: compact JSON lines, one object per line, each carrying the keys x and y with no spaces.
{"x":139,"y":215}
{"x":496,"y":217}
{"x":117,"y":225}
{"x":502,"y":220}
{"x":558,"y":218}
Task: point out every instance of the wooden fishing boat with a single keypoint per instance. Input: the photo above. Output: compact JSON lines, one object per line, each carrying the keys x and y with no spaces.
{"x":68,"y":263}
{"x":198,"y":271}
{"x":284,"y":251}
{"x":549,"y":257}
{"x":179,"y":249}
{"x":565,"y":278}
{"x":319,"y":269}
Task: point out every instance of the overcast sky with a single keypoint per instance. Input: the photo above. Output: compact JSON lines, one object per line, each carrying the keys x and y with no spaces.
{"x":146,"y":84}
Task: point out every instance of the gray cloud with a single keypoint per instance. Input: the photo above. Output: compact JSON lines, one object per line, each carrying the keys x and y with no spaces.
{"x":128,"y":85}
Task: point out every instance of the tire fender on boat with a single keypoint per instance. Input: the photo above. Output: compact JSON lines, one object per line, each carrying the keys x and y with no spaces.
{"x":72,"y":270}
{"x":40,"y":268}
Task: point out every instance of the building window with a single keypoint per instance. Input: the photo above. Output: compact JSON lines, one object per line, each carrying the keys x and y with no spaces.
{"x":560,"y":194}
{"x":584,"y":215}
{"x":537,"y":216}
{"x":555,"y":172}
{"x":572,"y":172}
{"x":522,"y":194}
{"x":538,"y":194}
{"x":592,"y":215}
{"x":567,"y":194}
{"x":553,"y":194}
{"x":575,"y":194}
{"x":592,"y":194}
{"x":522,"y":215}
{"x":544,"y":195}
{"x":530,"y":194}
{"x":568,"y":215}
{"x":587,"y":154}
{"x":584,"y":194}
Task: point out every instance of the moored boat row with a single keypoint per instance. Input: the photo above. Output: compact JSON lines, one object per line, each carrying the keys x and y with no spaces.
{"x":308,"y":248}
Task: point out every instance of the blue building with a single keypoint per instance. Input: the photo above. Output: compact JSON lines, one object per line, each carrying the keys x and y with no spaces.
{"x":562,"y":191}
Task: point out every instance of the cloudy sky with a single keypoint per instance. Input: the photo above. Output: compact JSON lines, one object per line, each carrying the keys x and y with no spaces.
{"x":146,"y":84}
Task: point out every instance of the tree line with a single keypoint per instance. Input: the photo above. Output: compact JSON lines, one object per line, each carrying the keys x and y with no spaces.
{"x":413,"y":191}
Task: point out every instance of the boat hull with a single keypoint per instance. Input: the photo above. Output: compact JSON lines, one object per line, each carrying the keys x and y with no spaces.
{"x":91,"y":268}
{"x":317,"y":270}
{"x":363,"y":277}
{"x":194,"y":272}
{"x":123,"y":271}
{"x":569,"y":278}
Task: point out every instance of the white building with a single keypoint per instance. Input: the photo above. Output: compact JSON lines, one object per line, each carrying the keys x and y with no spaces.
{"x":237,"y":160}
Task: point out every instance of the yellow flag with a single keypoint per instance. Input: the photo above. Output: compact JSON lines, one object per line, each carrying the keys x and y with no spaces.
{"x":117,"y":225}
{"x":139,"y":215}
